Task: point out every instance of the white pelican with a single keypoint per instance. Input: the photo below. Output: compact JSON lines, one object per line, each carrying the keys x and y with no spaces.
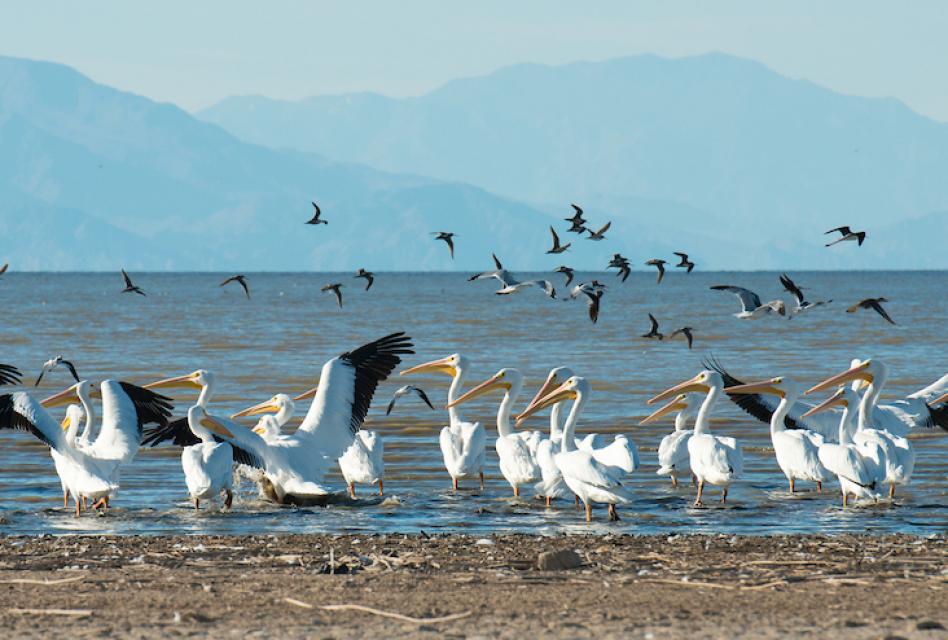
{"x":517,"y":463}
{"x":363,"y":461}
{"x":751,"y":306}
{"x":673,"y":450}
{"x":463,"y":444}
{"x":916,"y":411}
{"x":796,"y":450}
{"x":586,"y":477}
{"x":714,"y":459}
{"x":858,"y":474}
{"x":208,"y":465}
{"x":899,"y":453}
{"x":295,"y":465}
{"x":92,"y":472}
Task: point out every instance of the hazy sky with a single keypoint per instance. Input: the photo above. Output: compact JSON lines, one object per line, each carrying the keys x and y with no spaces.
{"x":195,"y":53}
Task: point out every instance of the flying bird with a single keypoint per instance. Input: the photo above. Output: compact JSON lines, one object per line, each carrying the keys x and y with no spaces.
{"x":566,"y":271}
{"x":846,"y":235}
{"x":586,"y":288}
{"x":751,"y":306}
{"x":240,"y":279}
{"x":448,"y":238}
{"x":577,"y":221}
{"x":872,"y":303}
{"x":801,"y":303}
{"x":660,"y":264}
{"x":593,"y":300}
{"x":335,"y":287}
{"x":511,"y":284}
{"x":368,"y":275}
{"x":685,"y":262}
{"x":404,"y":391}
{"x":130,"y":286}
{"x":557,"y":247}
{"x":686,"y":331}
{"x":653,"y":331}
{"x":317,"y":212}
{"x":3,"y":269}
{"x":53,"y":363}
{"x":622,"y":264}
{"x":601,"y":234}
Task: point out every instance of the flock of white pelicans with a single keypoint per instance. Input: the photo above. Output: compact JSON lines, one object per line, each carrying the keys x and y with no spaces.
{"x":851,"y":436}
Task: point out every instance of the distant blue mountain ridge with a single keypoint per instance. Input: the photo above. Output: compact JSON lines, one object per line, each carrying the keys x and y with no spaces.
{"x":96,"y":178}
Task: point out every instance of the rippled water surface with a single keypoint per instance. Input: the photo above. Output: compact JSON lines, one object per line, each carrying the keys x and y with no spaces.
{"x":277,"y":342}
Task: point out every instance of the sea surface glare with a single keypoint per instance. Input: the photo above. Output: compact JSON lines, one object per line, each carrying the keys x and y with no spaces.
{"x":279,"y":340}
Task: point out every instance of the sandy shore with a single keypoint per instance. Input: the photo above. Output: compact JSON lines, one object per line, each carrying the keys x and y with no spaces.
{"x":640,"y":587}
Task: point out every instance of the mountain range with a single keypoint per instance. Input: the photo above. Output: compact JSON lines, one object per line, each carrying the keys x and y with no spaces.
{"x":713,"y":155}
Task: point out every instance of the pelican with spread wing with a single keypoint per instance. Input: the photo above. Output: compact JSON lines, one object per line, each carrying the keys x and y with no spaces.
{"x":294,"y":466}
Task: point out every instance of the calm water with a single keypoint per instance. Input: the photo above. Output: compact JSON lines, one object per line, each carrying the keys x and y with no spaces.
{"x":278,"y":341}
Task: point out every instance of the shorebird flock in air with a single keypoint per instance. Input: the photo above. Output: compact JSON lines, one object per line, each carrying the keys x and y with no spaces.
{"x":854,"y":438}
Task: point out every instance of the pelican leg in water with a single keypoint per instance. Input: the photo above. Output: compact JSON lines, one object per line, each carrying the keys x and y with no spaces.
{"x":714,"y":459}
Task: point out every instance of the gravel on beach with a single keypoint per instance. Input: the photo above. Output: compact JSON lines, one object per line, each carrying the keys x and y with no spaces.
{"x":455,"y":586}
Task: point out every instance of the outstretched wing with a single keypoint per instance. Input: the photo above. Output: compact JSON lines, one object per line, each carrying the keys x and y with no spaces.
{"x":749,"y":299}
{"x":10,"y":374}
{"x":654,"y":322}
{"x":20,"y":412}
{"x":128,"y":281}
{"x":843,"y":230}
{"x":790,"y":286}
{"x":346,"y":386}
{"x":878,"y":308}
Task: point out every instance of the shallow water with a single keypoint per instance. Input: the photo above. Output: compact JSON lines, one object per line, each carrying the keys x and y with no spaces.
{"x":277,"y":342}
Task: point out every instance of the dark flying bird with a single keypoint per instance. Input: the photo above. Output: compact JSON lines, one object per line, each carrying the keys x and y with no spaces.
{"x":317,"y":212}
{"x":566,"y":271}
{"x":874,"y":304}
{"x":3,"y":269}
{"x":130,"y":286}
{"x":622,"y":264}
{"x":797,"y":292}
{"x":751,"y":306}
{"x":52,"y":363}
{"x":601,"y":234}
{"x":653,"y":331}
{"x":657,"y":262}
{"x":593,"y":299}
{"x":686,"y":331}
{"x":846,"y":235}
{"x":240,"y":279}
{"x":618,"y":260}
{"x":448,"y":237}
{"x":335,"y":287}
{"x":511,"y":284}
{"x":404,"y":391}
{"x":577,"y":221}
{"x":685,"y":262}
{"x":557,"y":247}
{"x":368,"y":275}
{"x":9,"y":374}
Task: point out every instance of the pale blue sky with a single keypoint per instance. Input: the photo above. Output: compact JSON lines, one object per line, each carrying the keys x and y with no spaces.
{"x":195,"y":53}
